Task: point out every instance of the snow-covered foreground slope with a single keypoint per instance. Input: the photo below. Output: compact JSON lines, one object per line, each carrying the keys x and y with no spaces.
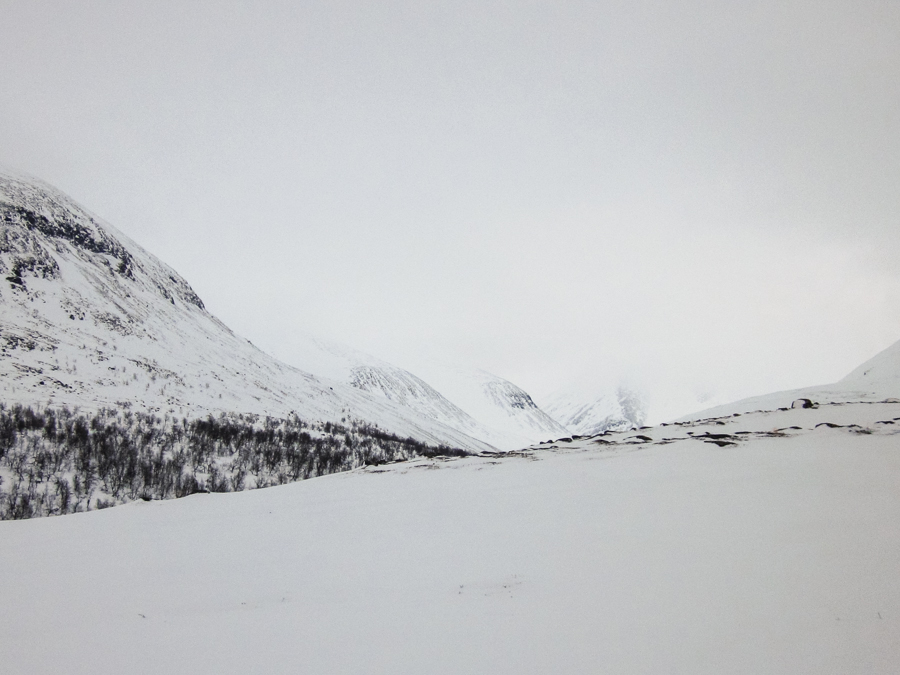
{"x":876,"y":379}
{"x":735,"y":545}
{"x":89,"y":319}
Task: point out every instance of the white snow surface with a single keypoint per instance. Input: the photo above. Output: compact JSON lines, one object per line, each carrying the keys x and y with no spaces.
{"x":664,"y":550}
{"x":876,"y":379}
{"x":89,"y":319}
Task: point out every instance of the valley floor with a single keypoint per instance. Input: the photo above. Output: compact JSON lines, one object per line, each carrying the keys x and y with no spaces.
{"x":679,"y":549}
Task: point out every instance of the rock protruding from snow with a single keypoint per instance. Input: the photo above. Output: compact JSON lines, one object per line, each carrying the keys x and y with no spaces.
{"x":802,"y":403}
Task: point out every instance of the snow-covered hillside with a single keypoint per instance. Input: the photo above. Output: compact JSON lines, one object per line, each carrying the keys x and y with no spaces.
{"x":89,"y":319}
{"x":876,"y":379}
{"x":587,"y":412}
{"x":507,"y":411}
{"x":761,"y":543}
{"x":478,"y":403}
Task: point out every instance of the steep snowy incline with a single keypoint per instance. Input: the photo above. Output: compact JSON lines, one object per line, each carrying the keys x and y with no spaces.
{"x":336,"y":361}
{"x":500,"y":405}
{"x":765,"y":543}
{"x":587,"y":413}
{"x":876,"y":379}
{"x":90,"y":319}
{"x":479,"y":403}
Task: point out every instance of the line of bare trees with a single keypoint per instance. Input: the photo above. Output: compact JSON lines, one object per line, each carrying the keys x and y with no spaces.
{"x":56,"y":461}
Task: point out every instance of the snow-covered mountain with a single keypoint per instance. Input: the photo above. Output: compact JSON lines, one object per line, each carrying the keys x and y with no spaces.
{"x":506,"y":409}
{"x":586,"y":412}
{"x":89,"y":319}
{"x":336,"y":361}
{"x":876,"y":379}
{"x":475,"y":401}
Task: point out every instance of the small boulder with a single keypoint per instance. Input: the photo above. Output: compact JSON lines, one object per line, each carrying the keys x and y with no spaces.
{"x":803,"y":403}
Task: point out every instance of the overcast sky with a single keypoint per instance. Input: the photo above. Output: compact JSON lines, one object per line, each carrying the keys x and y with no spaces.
{"x":691,"y":195}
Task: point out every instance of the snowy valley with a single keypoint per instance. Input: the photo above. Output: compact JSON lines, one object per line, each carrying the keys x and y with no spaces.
{"x":764,"y":542}
{"x":450,"y":523}
{"x":112,"y":358}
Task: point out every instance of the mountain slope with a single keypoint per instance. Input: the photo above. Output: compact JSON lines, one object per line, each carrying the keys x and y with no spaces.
{"x":875,"y":380}
{"x":479,"y":403}
{"x":90,"y":319}
{"x":504,"y":408}
{"x":335,"y":361}
{"x":587,"y":413}
{"x":877,"y":377}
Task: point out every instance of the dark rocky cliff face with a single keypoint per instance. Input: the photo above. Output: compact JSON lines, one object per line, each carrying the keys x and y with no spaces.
{"x":506,"y":394}
{"x":64,"y":227}
{"x":38,"y":225}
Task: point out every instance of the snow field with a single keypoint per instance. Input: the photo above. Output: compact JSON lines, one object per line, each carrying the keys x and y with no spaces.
{"x":776,"y":555}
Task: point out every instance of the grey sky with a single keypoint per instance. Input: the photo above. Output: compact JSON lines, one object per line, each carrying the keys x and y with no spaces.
{"x":702,"y":193}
